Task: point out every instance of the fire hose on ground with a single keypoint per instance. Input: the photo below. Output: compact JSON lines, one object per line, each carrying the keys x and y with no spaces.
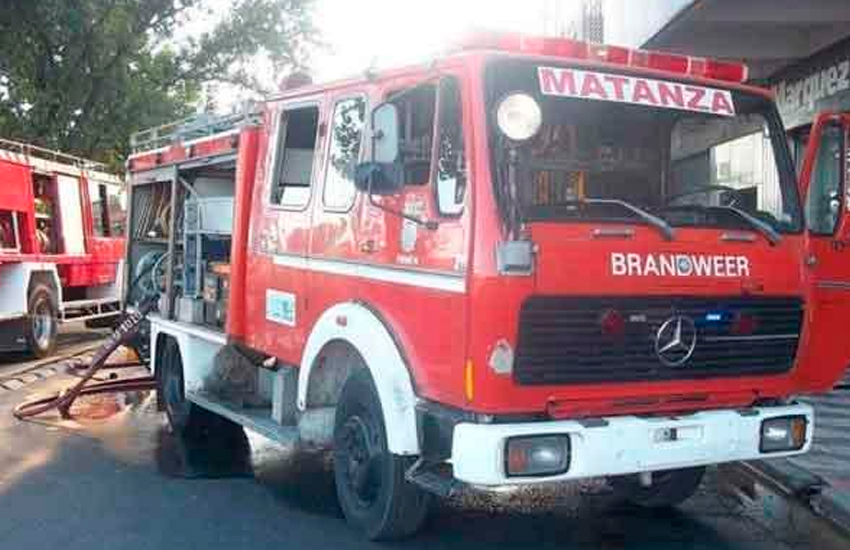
{"x":64,"y":399}
{"x":126,"y":329}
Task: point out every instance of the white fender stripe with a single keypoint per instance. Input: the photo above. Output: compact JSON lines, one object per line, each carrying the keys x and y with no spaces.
{"x":14,"y":283}
{"x":365,"y":331}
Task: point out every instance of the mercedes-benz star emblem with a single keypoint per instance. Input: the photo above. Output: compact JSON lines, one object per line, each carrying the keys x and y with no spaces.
{"x":675,"y":340}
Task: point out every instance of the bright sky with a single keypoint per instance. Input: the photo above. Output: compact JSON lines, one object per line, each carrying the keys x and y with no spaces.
{"x":389,"y":33}
{"x":394,"y":32}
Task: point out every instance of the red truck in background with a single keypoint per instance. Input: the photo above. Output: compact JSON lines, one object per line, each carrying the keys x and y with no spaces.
{"x":61,"y":245}
{"x":528,"y":261}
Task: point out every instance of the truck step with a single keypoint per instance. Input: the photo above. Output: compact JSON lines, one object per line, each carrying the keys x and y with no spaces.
{"x":429,"y":480}
{"x":256,"y":420}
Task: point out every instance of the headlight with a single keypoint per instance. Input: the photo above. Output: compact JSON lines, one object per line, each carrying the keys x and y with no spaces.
{"x":537,"y":455}
{"x":519,"y":117}
{"x":785,"y":433}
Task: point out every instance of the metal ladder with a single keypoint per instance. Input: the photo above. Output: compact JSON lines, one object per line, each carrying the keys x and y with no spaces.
{"x":191,"y":128}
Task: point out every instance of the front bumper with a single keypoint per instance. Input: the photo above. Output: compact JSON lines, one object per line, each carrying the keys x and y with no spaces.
{"x":623,"y":445}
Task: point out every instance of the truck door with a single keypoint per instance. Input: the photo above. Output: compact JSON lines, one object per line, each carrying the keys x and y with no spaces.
{"x":826,"y":347}
{"x":281,"y":220}
{"x":71,"y":214}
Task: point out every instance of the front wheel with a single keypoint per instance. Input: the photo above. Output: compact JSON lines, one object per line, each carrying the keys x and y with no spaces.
{"x":668,"y":488}
{"x":42,"y":322}
{"x":370,"y":483}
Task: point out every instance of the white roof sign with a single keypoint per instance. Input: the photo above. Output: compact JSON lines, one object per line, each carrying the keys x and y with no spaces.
{"x":636,"y":90}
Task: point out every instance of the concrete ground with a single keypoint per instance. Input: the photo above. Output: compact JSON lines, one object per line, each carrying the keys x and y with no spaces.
{"x":114,"y":477}
{"x":72,"y":338}
{"x":821,"y":478}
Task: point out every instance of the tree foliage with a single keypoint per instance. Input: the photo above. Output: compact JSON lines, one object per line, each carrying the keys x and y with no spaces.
{"x":82,"y":75}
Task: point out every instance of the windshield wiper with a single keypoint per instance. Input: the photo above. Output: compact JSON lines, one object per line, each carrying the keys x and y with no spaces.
{"x":771,"y":234}
{"x":663,"y":227}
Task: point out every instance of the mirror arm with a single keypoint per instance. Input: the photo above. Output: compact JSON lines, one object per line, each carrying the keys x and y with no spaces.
{"x":430,"y":225}
{"x":515,"y":214}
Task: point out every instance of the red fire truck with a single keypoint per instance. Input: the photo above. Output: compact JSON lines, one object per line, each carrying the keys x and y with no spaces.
{"x":528,"y":261}
{"x":61,"y":244}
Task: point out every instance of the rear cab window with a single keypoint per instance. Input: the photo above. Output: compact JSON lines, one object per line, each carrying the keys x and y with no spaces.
{"x":295,"y":155}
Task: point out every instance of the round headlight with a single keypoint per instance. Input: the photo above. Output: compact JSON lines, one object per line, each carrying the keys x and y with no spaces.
{"x":519,"y":117}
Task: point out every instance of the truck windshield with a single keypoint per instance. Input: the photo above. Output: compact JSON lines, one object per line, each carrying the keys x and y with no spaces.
{"x":687,"y":155}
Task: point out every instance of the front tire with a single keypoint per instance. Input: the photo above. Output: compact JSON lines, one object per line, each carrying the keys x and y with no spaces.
{"x":669,"y":487}
{"x":42,"y":322}
{"x":370,"y":483}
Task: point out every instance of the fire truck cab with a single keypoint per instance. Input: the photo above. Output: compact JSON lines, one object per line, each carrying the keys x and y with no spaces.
{"x":61,"y":245}
{"x":528,"y":261}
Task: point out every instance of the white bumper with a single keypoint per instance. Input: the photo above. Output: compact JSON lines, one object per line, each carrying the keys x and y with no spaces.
{"x":623,"y":445}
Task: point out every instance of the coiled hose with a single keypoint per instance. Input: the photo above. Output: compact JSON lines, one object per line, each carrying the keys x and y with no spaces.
{"x":126,"y":329}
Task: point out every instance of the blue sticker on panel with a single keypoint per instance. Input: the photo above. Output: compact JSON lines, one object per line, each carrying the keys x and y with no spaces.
{"x":280,"y":307}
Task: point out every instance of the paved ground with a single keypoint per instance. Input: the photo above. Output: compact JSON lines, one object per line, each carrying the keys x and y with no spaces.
{"x":828,"y":463}
{"x":72,"y":337}
{"x":830,"y":454}
{"x":116,"y":478}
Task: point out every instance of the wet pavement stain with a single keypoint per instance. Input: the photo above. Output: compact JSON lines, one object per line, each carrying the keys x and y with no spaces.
{"x":202,"y":458}
{"x":95,"y":407}
{"x":301,"y":480}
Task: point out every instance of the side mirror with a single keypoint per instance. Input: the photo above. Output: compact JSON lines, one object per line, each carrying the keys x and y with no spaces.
{"x":382,"y":175}
{"x":379,"y":175}
{"x":451,"y":186}
{"x":376,"y":178}
{"x":385,"y":133}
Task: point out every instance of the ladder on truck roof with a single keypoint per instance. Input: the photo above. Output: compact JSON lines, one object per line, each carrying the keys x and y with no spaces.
{"x":190,"y":129}
{"x":49,"y":161}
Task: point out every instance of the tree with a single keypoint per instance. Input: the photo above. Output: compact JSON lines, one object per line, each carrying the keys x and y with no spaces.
{"x":82,"y":75}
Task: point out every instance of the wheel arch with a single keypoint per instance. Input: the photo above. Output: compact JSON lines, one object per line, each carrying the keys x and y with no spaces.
{"x":49,"y":278}
{"x":196,"y":353}
{"x":16,"y":282}
{"x":355,"y":326}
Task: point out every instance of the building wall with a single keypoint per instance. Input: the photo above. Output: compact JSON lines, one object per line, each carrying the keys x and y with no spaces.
{"x":633,"y":22}
{"x":820,"y":83}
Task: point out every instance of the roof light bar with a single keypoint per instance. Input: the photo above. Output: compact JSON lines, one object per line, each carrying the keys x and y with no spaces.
{"x":574,"y":49}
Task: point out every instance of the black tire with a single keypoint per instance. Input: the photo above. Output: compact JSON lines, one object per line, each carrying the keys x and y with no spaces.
{"x":42,"y":321}
{"x":188,"y":420}
{"x":669,"y":487}
{"x":370,"y":483}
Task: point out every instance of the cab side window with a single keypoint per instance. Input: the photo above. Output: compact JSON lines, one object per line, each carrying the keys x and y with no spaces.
{"x":295,"y":156}
{"x":116,"y":210}
{"x":823,"y":202}
{"x":450,"y":176}
{"x":108,"y":209}
{"x":9,"y":235}
{"x":346,"y":136}
{"x":100,"y":217}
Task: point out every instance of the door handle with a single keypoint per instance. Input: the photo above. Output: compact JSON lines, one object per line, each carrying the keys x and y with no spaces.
{"x":811,"y":260}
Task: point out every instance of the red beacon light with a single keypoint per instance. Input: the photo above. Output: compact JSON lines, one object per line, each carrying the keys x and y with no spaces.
{"x":612,"y":323}
{"x":744,"y":324}
{"x":699,"y":67}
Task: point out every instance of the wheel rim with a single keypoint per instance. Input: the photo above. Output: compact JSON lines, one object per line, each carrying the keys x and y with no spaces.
{"x":43,"y":325}
{"x":361,"y":460}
